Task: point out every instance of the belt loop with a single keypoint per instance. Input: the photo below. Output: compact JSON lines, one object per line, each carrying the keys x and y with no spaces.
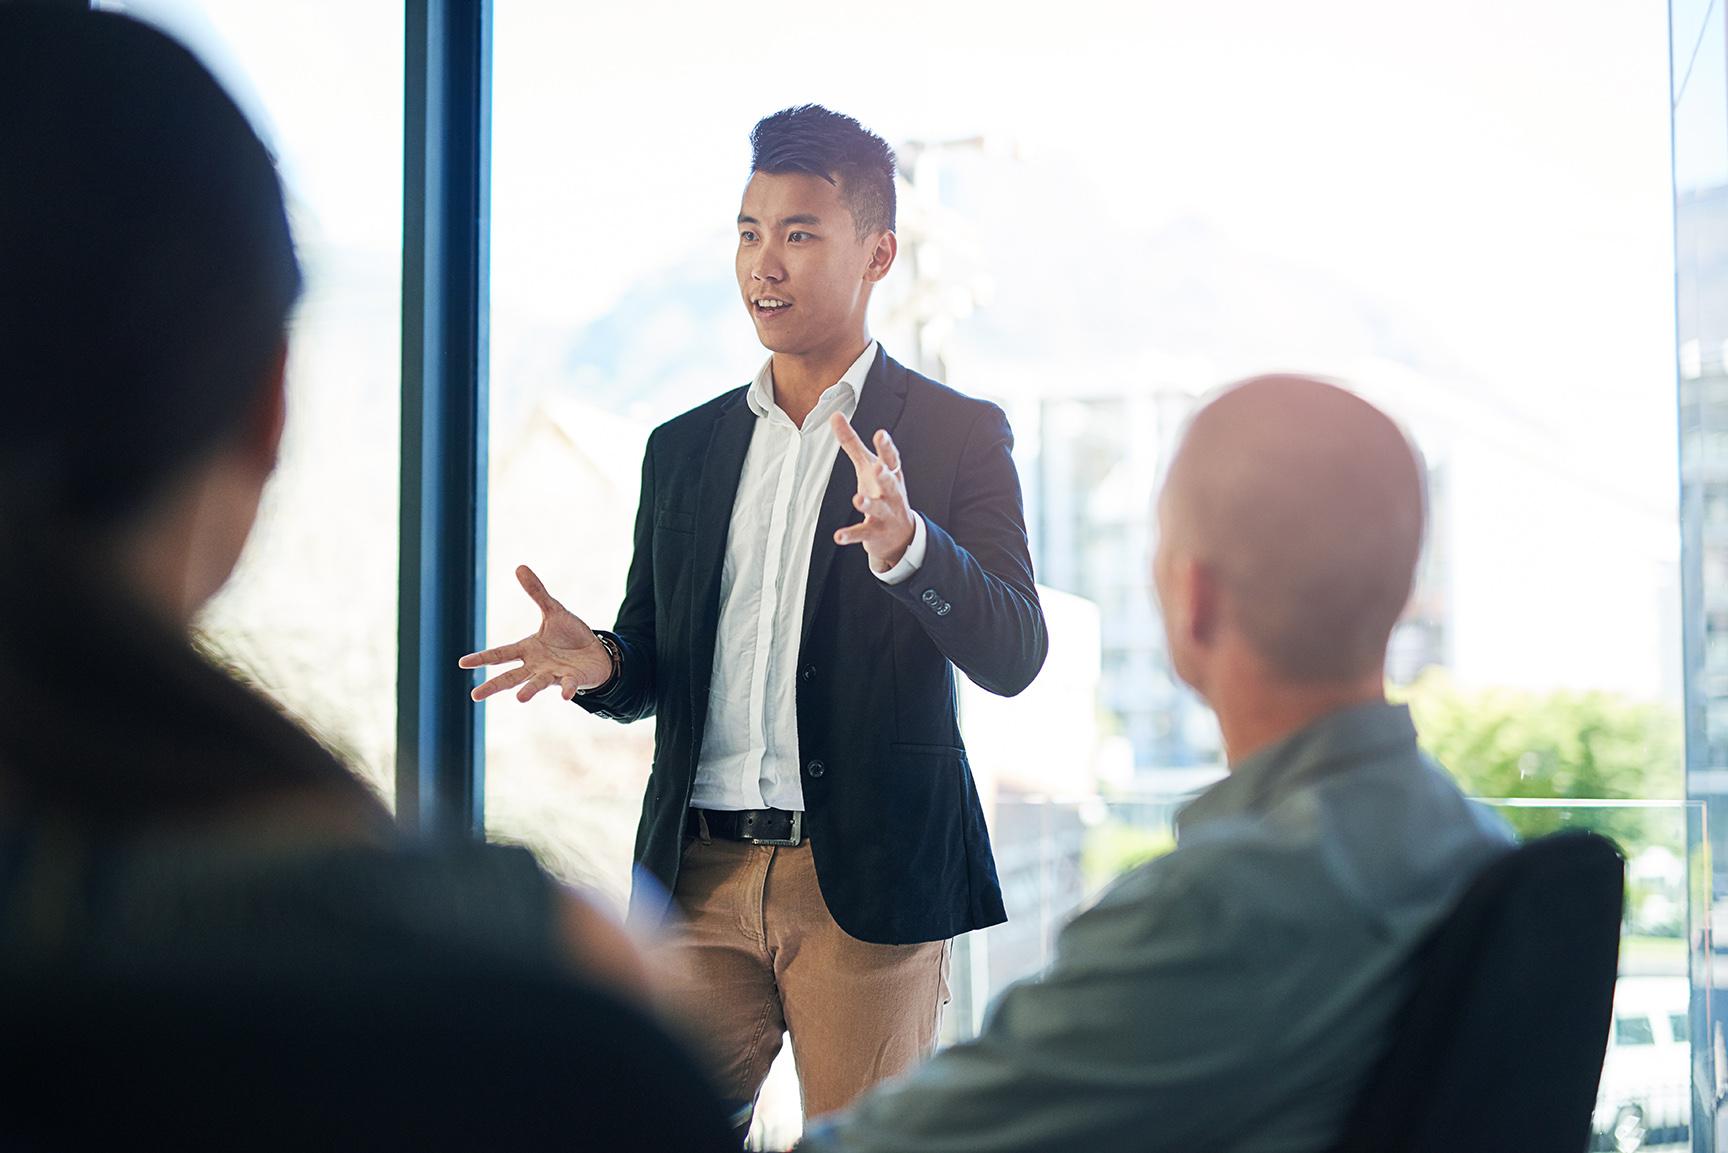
{"x":702,"y":826}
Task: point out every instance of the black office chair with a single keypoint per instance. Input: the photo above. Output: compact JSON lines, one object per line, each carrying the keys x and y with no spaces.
{"x":1501,"y":1044}
{"x":418,"y":1057}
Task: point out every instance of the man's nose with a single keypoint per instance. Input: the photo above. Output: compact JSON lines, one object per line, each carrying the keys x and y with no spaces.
{"x":767,"y":267}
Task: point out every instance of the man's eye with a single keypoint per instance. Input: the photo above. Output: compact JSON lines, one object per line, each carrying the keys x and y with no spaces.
{"x":746,"y":235}
{"x":798,"y":236}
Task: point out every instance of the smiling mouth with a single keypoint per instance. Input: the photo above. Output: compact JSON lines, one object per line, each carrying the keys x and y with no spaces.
{"x":768,"y":306}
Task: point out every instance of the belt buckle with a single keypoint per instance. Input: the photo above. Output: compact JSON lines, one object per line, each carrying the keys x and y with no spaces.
{"x":796,"y":838}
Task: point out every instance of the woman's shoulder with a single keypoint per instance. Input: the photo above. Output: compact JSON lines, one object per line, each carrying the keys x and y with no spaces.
{"x":323,"y":900}
{"x":283,"y":890}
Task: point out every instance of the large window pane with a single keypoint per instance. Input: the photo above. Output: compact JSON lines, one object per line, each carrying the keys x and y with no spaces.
{"x":311,"y":612}
{"x":1700,"y":116}
{"x":1462,"y":211}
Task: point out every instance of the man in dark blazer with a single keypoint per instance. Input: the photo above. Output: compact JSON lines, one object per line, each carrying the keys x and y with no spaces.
{"x":811,"y":811}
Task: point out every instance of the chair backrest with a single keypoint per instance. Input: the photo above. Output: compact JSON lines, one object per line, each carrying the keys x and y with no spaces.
{"x":1501,"y":1043}
{"x":397,"y":1059}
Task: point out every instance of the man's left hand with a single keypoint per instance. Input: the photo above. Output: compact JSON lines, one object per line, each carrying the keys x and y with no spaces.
{"x":886,"y":530}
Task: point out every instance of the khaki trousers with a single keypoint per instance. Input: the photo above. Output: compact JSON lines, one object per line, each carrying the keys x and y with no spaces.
{"x":758,"y":955}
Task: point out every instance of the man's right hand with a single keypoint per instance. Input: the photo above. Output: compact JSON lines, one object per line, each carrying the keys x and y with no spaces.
{"x":562,"y":652}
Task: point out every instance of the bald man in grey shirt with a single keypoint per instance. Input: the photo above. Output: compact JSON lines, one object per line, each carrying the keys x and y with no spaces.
{"x":1234,"y":994}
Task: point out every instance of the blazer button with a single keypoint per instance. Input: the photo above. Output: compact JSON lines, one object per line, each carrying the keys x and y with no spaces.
{"x":816,"y":768}
{"x":930,"y":596}
{"x":809,"y":673}
{"x":945,"y":609}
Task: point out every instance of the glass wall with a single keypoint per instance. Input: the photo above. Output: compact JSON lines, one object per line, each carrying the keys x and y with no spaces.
{"x":311,"y":613}
{"x":1464,"y":212}
{"x":1700,"y":117}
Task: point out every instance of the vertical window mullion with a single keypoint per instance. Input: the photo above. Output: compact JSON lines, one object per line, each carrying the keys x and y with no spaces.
{"x":440,"y":767}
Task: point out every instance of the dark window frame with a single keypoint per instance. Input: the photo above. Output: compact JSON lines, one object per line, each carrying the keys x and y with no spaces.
{"x":446,"y":191}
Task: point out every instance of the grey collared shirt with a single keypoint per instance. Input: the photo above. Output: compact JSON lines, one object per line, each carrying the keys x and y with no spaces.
{"x":1231,"y":995}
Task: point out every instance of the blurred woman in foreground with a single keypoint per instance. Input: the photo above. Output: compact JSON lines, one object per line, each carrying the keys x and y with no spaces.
{"x":153,"y":811}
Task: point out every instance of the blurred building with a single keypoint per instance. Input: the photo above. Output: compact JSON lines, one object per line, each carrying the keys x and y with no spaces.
{"x":1701,"y":227}
{"x":1091,"y":466}
{"x":1421,"y":640}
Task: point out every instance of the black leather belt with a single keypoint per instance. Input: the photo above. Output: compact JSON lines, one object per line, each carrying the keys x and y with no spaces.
{"x":758,"y":826}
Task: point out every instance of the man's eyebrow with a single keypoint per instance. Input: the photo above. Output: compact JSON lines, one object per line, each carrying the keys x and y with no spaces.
{"x":809,"y":218}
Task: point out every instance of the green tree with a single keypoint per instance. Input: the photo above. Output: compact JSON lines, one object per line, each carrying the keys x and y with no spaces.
{"x":1594,"y":746}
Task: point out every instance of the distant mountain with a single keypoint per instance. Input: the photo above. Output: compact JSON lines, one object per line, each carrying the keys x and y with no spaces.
{"x":672,"y":341}
{"x":1072,"y":279}
{"x":1057,"y":293}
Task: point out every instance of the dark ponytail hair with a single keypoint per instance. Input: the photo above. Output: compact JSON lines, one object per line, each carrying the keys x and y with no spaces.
{"x":146,"y":278}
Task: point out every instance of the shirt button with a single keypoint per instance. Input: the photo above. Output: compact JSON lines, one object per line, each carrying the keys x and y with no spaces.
{"x":816,"y":768}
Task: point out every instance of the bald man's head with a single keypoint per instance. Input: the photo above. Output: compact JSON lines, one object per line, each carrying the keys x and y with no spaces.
{"x":1303,"y":504}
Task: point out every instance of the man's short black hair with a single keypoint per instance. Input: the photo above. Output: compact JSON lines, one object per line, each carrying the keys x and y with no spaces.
{"x":811,"y":139}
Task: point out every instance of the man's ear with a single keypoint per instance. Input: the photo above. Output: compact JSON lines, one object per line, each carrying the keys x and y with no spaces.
{"x":270,"y":412}
{"x":882,"y":256}
{"x":1204,"y":595}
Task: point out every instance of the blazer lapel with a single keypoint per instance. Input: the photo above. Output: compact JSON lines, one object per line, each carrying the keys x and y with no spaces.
{"x":728,"y":441}
{"x":879,"y":407}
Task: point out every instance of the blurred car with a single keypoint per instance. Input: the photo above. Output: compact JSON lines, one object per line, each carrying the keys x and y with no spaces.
{"x":1646,"y":1091}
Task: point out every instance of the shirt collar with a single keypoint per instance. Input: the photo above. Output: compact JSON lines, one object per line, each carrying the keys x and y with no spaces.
{"x":1342,"y":740}
{"x":761,"y":395}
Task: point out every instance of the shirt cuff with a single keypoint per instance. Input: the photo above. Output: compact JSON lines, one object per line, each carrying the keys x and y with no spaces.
{"x":912,"y":560}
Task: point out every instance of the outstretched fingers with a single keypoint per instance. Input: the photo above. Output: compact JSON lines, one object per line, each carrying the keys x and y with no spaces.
{"x":501,"y":682}
{"x":869,"y":505}
{"x":887,"y":450}
{"x":539,"y":681}
{"x":862,"y":458}
{"x":495,"y":656}
{"x":532,"y":586}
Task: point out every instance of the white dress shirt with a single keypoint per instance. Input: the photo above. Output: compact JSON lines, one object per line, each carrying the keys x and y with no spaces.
{"x":750,"y":742}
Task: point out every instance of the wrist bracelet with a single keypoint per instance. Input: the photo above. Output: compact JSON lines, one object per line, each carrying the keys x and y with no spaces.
{"x":612,"y":654}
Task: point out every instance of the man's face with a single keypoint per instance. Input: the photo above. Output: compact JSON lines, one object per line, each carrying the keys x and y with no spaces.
{"x":803,"y":271}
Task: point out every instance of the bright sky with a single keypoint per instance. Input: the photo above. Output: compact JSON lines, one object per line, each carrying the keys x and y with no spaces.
{"x":1498,"y":172}
{"x":1501,"y":169}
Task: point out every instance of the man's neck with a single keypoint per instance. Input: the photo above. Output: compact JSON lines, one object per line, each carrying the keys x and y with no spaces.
{"x":1257,"y":715}
{"x":800,"y":380}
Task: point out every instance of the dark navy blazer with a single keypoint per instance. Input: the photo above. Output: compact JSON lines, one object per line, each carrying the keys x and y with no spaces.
{"x":893,"y":817}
